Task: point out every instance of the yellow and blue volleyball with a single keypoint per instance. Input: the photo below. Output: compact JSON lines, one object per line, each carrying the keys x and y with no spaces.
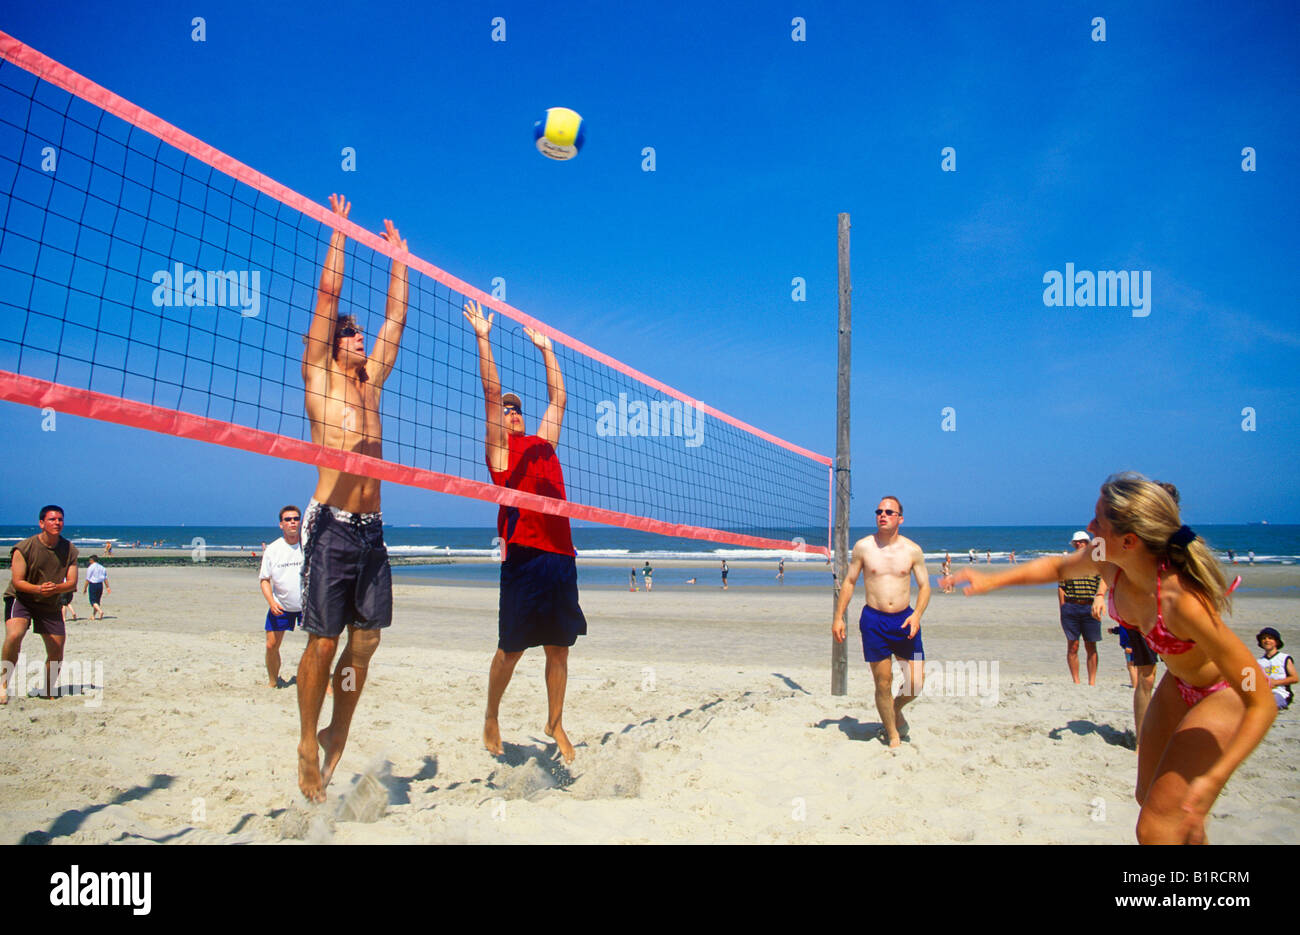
{"x":559,"y":133}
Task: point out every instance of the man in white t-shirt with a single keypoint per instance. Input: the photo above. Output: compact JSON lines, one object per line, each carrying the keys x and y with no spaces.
{"x":96,"y":586}
{"x":282,"y":587}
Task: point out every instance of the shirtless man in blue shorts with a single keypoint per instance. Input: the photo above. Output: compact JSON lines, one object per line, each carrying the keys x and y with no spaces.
{"x":890,"y":628}
{"x":346,"y":580}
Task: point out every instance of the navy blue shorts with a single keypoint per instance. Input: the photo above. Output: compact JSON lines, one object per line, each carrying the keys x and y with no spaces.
{"x":286,"y":621}
{"x":883,"y":635}
{"x":346,"y":581}
{"x":539,"y":600}
{"x":1077,"y":620}
{"x":95,"y":592}
{"x":1139,"y":652}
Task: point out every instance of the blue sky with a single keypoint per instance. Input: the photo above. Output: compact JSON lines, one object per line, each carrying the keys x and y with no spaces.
{"x":1115,"y":155}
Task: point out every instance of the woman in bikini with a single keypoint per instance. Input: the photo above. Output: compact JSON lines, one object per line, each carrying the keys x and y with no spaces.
{"x":1213,"y":706}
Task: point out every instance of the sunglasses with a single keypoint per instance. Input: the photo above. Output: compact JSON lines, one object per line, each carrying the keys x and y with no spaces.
{"x":292,"y":519}
{"x":509,"y":409}
{"x":888,"y":513}
{"x":348,"y":331}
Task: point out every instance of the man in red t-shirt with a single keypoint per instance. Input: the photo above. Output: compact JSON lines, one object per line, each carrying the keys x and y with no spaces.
{"x":539,"y":577}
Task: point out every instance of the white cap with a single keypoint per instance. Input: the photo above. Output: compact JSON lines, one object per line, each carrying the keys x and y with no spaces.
{"x":1081,"y":535}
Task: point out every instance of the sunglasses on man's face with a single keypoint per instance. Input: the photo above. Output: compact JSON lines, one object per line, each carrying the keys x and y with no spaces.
{"x":292,"y":519}
{"x":888,"y":513}
{"x":509,"y":409}
{"x":348,"y":331}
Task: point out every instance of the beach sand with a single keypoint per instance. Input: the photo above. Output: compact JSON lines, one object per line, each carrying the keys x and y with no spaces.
{"x":698,"y":716}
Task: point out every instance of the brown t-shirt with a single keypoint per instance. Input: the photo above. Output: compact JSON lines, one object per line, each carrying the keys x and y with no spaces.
{"x":43,"y":564}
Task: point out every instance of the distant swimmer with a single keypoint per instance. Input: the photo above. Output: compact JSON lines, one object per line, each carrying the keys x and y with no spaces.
{"x":890,"y":628}
{"x":346,"y":579}
{"x":281,"y":580}
{"x":539,"y":577}
{"x":42,"y":569}
{"x":1214,"y":705}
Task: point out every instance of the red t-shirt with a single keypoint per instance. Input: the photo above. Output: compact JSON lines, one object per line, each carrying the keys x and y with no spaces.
{"x":533,"y":468}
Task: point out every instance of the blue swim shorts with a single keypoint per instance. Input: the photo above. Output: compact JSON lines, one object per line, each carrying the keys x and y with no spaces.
{"x":883,"y":635}
{"x":286,"y":621}
{"x":539,"y":600}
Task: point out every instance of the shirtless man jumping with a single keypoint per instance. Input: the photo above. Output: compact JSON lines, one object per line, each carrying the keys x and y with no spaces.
{"x":346,"y":581}
{"x":889,"y":626}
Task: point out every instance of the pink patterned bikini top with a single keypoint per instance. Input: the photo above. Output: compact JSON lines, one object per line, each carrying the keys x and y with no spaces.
{"x":1159,"y":639}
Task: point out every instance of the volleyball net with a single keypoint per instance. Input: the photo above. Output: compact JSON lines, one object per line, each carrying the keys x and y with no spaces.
{"x":149,"y":280}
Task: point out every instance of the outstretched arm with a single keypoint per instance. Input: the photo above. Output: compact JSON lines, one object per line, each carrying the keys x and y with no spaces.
{"x":550,"y":427}
{"x":1045,"y":570}
{"x":320,"y":334}
{"x":498,"y":450}
{"x":384,"y":355}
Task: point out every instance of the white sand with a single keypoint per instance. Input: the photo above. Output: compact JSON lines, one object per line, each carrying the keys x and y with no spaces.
{"x":698,"y":716}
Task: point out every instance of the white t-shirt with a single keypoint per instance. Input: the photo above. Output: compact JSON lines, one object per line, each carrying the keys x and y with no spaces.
{"x":1275,"y":668}
{"x":282,"y":564}
{"x":96,"y":573}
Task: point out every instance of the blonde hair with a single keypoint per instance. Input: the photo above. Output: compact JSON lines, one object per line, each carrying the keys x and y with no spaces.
{"x":1149,"y":510}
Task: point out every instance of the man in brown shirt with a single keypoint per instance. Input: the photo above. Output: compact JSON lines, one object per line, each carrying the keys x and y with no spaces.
{"x":44,"y":568}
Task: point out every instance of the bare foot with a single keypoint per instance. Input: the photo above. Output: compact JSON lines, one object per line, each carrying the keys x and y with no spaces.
{"x":492,"y":736}
{"x":556,"y":733}
{"x":333,"y":753}
{"x":903,"y":726}
{"x":309,"y":774}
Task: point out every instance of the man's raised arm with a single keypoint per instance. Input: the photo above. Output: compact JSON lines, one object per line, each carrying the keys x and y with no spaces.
{"x":320,"y":334}
{"x":384,"y":355}
{"x":497,"y":447}
{"x":550,"y":427}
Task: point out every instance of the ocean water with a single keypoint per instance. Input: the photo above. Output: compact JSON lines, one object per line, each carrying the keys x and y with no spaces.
{"x":1272,"y":544}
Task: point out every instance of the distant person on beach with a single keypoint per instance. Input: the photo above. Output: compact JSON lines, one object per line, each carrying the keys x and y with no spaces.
{"x":539,"y":577}
{"x":1232,"y":557}
{"x":1013,"y":556}
{"x":1081,"y":602}
{"x":346,"y":579}
{"x":988,"y":558}
{"x":780,"y":571}
{"x":108,"y":549}
{"x":1214,"y":705}
{"x":1279,"y":667}
{"x":1251,"y":556}
{"x":281,"y":581}
{"x":646,"y":573}
{"x":724,"y":574}
{"x":972,"y":556}
{"x":890,"y":628}
{"x":96,"y":587}
{"x":690,"y":581}
{"x":42,"y":569}
{"x":946,"y":571}
{"x":631,"y":580}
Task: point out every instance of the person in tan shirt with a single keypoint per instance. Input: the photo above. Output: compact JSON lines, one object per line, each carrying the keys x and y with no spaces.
{"x":43,"y":568}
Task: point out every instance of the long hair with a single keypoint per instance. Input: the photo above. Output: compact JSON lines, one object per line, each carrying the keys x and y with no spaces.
{"x":1149,"y":510}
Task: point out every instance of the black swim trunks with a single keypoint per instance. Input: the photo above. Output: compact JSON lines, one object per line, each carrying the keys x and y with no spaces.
{"x":539,"y":600}
{"x":346,"y":580}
